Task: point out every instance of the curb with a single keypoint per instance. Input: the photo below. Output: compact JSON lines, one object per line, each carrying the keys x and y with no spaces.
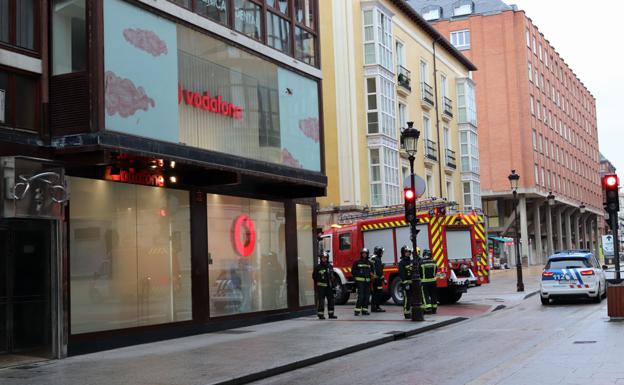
{"x":337,"y":353}
{"x":531,"y":294}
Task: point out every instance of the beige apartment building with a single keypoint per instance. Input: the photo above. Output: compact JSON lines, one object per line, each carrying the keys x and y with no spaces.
{"x":384,"y":66}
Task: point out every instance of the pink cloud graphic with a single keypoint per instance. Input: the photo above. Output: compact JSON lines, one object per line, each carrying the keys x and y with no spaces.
{"x":123,"y":97}
{"x":146,"y":40}
{"x":310,"y":128}
{"x":289,"y":160}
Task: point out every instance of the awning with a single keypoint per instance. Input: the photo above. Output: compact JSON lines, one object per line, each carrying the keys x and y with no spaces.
{"x":500,"y":239}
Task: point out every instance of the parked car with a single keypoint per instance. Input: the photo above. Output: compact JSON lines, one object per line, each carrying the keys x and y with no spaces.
{"x":573,"y":274}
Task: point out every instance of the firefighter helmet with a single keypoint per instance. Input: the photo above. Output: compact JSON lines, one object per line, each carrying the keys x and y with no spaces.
{"x":324,"y":254}
{"x":427,"y":254}
{"x":378,"y":250}
{"x":364,"y":251}
{"x":405,"y":249}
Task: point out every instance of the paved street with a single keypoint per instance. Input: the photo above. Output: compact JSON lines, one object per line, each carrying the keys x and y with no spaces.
{"x":572,"y":343}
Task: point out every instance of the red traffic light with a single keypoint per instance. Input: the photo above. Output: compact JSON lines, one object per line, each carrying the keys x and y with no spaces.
{"x":408,"y":194}
{"x":611,"y":181}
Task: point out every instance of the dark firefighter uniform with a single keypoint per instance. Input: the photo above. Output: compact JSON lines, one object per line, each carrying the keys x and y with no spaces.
{"x":429,"y":271}
{"x":324,"y":285}
{"x":361,"y":271}
{"x":406,"y":268}
{"x":378,"y":279}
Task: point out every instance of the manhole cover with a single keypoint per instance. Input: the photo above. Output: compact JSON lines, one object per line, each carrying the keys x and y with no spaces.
{"x":584,"y":342}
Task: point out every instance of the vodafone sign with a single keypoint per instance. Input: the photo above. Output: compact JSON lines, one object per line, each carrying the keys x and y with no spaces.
{"x":244,"y":228}
{"x":203,"y":101}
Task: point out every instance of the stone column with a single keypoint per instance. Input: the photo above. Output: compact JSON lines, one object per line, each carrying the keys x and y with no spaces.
{"x":584,"y":232}
{"x":596,"y":234}
{"x":537,"y":224}
{"x":559,"y":228}
{"x":549,"y":231}
{"x":568,"y":229}
{"x":524,"y":228}
{"x":577,"y":233}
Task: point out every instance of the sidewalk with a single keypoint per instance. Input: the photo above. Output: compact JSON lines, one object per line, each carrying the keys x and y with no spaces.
{"x":231,"y":356}
{"x":502,"y":289}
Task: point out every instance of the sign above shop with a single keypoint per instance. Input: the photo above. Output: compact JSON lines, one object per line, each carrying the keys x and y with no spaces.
{"x":205,"y":102}
{"x":145,"y":178}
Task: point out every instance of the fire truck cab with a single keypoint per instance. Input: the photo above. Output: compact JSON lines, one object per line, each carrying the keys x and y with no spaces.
{"x":457,"y":243}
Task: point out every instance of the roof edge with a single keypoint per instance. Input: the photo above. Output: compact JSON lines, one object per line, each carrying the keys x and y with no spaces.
{"x":431,"y":31}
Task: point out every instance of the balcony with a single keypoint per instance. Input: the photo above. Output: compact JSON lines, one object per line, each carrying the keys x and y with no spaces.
{"x":427,"y":95}
{"x":451,"y":160}
{"x":431,"y":151}
{"x":448,"y":109}
{"x":404,"y":78}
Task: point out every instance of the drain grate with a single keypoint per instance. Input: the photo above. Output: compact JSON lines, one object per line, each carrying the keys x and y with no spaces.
{"x":584,"y":342}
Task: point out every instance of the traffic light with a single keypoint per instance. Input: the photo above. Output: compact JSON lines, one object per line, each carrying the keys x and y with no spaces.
{"x":611,"y":184}
{"x":410,"y":204}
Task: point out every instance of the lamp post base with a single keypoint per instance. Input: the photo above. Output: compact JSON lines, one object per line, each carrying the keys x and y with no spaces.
{"x":520,"y":287}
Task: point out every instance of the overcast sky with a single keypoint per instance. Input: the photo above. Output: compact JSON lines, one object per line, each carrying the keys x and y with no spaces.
{"x":587,"y":36}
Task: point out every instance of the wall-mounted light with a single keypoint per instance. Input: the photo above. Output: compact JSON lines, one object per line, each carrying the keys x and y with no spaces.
{"x":172,"y":164}
{"x":173,"y":179}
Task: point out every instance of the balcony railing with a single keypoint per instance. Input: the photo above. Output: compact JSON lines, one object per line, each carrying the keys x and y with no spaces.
{"x":427,"y":93}
{"x":404,"y":77}
{"x":448,"y":106}
{"x":451,"y":160}
{"x":431,"y":151}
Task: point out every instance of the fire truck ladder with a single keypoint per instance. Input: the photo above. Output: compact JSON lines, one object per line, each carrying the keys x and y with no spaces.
{"x":421,"y":206}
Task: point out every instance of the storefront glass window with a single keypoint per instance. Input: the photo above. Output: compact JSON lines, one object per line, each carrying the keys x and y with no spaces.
{"x":305,"y":254}
{"x":213,"y":9}
{"x":248,"y":18}
{"x":130,"y":257}
{"x":246,"y":241}
{"x":69,"y":36}
{"x":278,"y":32}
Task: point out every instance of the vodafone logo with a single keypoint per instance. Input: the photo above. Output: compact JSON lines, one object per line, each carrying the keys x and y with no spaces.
{"x":244,"y":228}
{"x":205,"y":102}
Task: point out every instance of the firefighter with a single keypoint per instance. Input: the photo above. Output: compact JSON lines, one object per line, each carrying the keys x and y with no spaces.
{"x":378,"y":279}
{"x":406,"y":268}
{"x":324,"y":285}
{"x":428,"y":273}
{"x":361,"y":271}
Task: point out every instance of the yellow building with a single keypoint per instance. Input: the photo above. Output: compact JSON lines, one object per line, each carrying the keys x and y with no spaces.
{"x":379,"y":60}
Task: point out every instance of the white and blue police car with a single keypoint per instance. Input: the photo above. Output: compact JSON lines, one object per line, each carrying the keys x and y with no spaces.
{"x":573,"y":274}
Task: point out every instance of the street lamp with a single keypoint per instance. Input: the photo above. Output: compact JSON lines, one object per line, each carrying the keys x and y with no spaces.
{"x":409,"y":141}
{"x":513,"y":181}
{"x":551,"y":199}
{"x":582,"y":208}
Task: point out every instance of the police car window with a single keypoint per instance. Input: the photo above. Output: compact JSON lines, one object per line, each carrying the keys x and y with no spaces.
{"x":344,"y":241}
{"x":568,"y":263}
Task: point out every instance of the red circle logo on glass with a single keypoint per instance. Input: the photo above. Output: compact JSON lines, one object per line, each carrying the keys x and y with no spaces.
{"x":244,"y":228}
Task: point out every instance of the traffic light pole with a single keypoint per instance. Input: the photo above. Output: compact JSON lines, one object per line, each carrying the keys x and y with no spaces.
{"x":417,"y":311}
{"x":613,"y":217}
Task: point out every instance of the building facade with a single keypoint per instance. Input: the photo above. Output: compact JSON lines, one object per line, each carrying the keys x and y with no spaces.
{"x":160,"y":165}
{"x":535,"y":117}
{"x":385,"y":66}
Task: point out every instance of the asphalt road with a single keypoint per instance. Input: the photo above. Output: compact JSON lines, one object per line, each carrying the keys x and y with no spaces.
{"x":524,"y":344}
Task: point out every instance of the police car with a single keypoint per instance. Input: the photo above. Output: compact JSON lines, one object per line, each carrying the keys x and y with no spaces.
{"x":573,"y":274}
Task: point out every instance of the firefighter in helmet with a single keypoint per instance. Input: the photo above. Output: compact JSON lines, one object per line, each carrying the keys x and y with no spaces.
{"x":361,"y":271}
{"x":378,"y":279}
{"x":324,"y":286}
{"x":406,"y":268}
{"x":428,"y":273}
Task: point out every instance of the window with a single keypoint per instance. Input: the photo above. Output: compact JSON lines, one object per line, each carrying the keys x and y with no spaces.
{"x":127,"y":254}
{"x":536,"y":167}
{"x":305,"y":46}
{"x":539,"y":108}
{"x":426,"y":128}
{"x":378,"y":39}
{"x":430,"y":186}
{"x":304,"y":12}
{"x":472,"y":195}
{"x":540,"y":53}
{"x":18,"y":23}
{"x":466,"y":103}
{"x":248,"y":18}
{"x":69,"y":37}
{"x":541,"y":144}
{"x":400,"y":54}
{"x":375,"y":177}
{"x":344,"y":241}
{"x":443,"y":87}
{"x":371,"y":97}
{"x":216,"y":10}
{"x":278,"y":33}
{"x":431,"y":13}
{"x":543,"y":178}
{"x":424,"y":71}
{"x":469,"y":151}
{"x":530,"y":72}
{"x":528,"y":38}
{"x":531,"y":104}
{"x":463,"y":7}
{"x":305,"y":254}
{"x":447,"y":138}
{"x":450,"y":193}
{"x":546,"y":144}
{"x":534,"y":140}
{"x":369,"y":38}
{"x":461,"y":39}
{"x":402,"y":115}
{"x":19,"y":101}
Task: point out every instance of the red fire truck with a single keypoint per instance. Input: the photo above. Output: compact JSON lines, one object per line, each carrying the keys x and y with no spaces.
{"x":457,"y":242}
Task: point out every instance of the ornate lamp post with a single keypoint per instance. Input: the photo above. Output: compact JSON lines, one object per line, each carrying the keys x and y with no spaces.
{"x":513,"y":181}
{"x":551,"y":199}
{"x":409,"y":141}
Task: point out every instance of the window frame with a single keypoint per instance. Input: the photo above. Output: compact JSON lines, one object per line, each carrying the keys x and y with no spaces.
{"x":13,"y":106}
{"x":463,"y":33}
{"x":12,"y":44}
